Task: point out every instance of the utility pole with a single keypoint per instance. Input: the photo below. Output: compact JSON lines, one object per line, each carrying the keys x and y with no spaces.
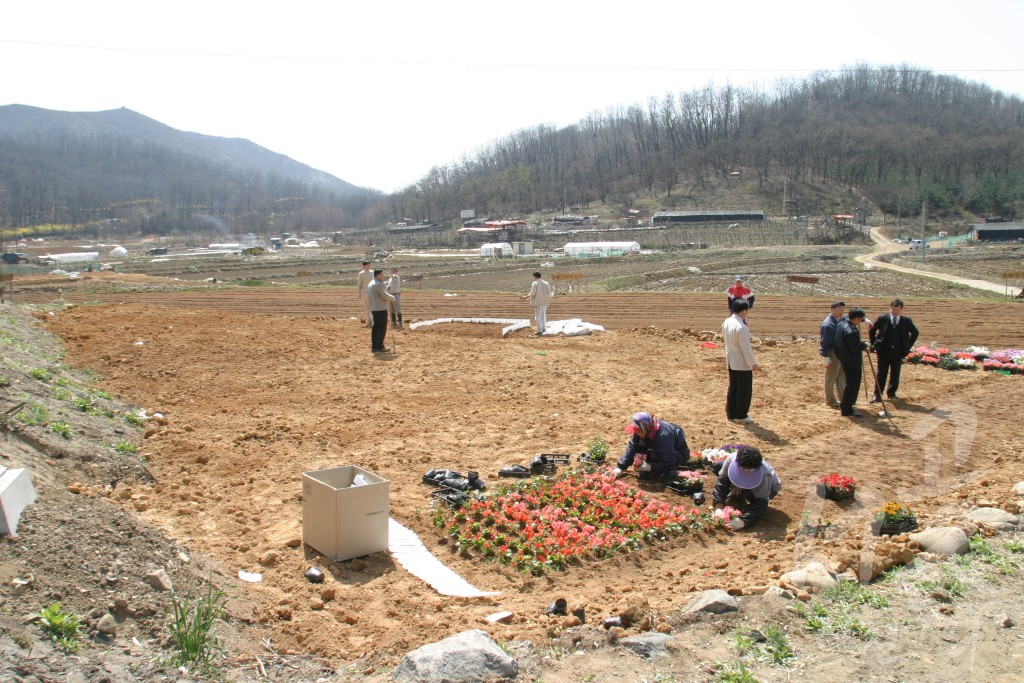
{"x":924,"y":231}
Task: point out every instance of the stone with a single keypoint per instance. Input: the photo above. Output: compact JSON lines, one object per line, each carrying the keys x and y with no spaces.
{"x":467,"y":657}
{"x":107,"y":625}
{"x":159,"y":580}
{"x":994,"y":518}
{"x":648,"y":645}
{"x":713,"y":601}
{"x":1018,"y":488}
{"x":948,"y":540}
{"x":812,"y":578}
{"x":777,"y":592}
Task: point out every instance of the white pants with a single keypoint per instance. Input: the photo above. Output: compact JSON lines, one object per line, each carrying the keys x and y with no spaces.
{"x":541,"y":316}
{"x":366,"y":308}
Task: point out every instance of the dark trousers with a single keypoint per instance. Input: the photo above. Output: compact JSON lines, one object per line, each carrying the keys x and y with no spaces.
{"x":853,"y":374}
{"x":889,"y":365}
{"x":380,"y":328}
{"x":741,"y":390}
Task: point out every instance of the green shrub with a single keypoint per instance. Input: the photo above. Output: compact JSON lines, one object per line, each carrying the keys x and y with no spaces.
{"x":126,"y":447}
{"x":61,"y":627}
{"x":251,"y":283}
{"x":32,"y":414}
{"x":597,"y":448}
{"x":41,"y":374}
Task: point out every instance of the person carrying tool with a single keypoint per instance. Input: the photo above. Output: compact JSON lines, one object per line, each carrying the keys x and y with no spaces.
{"x":892,"y":338}
{"x":745,"y":482}
{"x":850,"y":350}
{"x":657,"y":447}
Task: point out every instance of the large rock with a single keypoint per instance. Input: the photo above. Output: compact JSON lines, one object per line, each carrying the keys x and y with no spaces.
{"x":994,"y":518}
{"x":812,"y":578}
{"x":159,"y":580}
{"x":467,"y":657}
{"x":713,"y":601}
{"x":947,"y":540}
{"x":1018,"y":488}
{"x":648,"y":645}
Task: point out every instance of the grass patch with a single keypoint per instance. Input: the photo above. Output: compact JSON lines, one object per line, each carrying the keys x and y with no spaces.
{"x":32,"y":414}
{"x":125,"y":447}
{"x":192,"y":625}
{"x":852,"y":593}
{"x":983,"y":551}
{"x":134,"y":419}
{"x":733,"y":672}
{"x":838,"y":619}
{"x":769,"y":644}
{"x":41,"y":374}
{"x":61,"y":627}
{"x":254,"y":282}
{"x":947,"y":581}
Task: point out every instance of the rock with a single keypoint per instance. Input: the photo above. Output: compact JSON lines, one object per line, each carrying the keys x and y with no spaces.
{"x":648,"y":645}
{"x":1018,"y":488}
{"x":269,"y":558}
{"x":107,"y":625}
{"x":467,"y":657}
{"x":777,"y":592}
{"x":158,"y":579}
{"x":948,"y":540}
{"x":812,"y":578}
{"x":713,"y":601}
{"x":994,"y":518}
{"x":293,"y":542}
{"x":940,"y":595}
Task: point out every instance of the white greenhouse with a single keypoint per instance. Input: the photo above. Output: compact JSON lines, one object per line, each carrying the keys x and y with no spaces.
{"x":496,"y":250}
{"x":596,"y":249}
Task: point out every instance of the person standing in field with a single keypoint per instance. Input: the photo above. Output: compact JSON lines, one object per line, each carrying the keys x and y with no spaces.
{"x":378,"y":298}
{"x":394,"y":287}
{"x":740,"y":360}
{"x":363,"y":281}
{"x":739,"y":291}
{"x":539,"y":296}
{"x":892,"y":337}
{"x":850,"y":349}
{"x":835,"y":378}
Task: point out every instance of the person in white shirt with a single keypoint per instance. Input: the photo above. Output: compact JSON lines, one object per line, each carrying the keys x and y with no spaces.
{"x":539,"y":296}
{"x":740,"y":360}
{"x":363,"y":281}
{"x":394,"y":287}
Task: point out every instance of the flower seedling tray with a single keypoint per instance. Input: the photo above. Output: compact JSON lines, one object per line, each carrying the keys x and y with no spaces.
{"x":835,"y":494}
{"x":893,"y":528}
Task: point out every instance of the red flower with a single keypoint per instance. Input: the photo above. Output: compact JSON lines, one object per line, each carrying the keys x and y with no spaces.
{"x":837,"y":482}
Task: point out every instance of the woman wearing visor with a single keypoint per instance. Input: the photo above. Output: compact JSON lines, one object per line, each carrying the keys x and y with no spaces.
{"x":656,"y":447}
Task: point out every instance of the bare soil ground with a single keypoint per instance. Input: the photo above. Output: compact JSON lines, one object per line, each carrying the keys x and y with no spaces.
{"x":258,"y":385}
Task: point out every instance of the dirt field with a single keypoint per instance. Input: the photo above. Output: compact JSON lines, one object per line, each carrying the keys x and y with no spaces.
{"x":259,"y":386}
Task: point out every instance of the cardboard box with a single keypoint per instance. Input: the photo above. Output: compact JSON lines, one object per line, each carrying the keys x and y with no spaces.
{"x":341,"y":520}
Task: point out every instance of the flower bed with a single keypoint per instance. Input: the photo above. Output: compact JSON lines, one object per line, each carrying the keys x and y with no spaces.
{"x":715,"y":455}
{"x":687,"y":482}
{"x":538,"y":525}
{"x":1008,"y":360}
{"x":893,"y":518}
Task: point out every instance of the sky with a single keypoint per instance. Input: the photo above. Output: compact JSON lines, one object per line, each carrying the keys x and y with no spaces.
{"x":377,"y":93}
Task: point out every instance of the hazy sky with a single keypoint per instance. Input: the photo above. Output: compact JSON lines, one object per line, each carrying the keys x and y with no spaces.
{"x":378,"y":92}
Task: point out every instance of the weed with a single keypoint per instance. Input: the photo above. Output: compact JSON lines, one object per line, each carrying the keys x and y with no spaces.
{"x":61,"y":428}
{"x":102,"y":394}
{"x":853,"y":593}
{"x":838,"y":619}
{"x":41,"y":374}
{"x":254,"y":282}
{"x":62,"y":382}
{"x":984,"y":551}
{"x":769,"y":644}
{"x":32,"y":414}
{"x":663,"y":678}
{"x":61,"y":394}
{"x":61,"y":627}
{"x":193,"y":631}
{"x":597,"y":448}
{"x":125,"y":447}
{"x":1014,"y":546}
{"x":5,"y":381}
{"x":733,"y":672}
{"x":948,"y":582}
{"x":133,"y":419}
{"x":83,"y":404}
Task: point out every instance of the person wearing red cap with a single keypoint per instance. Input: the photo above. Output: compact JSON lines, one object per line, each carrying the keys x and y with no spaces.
{"x":747,"y":482}
{"x":657,"y":447}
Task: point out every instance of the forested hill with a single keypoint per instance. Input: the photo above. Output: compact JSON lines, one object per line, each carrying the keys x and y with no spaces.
{"x":900,"y":135}
{"x":76,"y":167}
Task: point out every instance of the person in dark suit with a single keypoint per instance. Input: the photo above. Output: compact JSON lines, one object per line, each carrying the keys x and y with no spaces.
{"x":850,"y":350}
{"x":892,"y":337}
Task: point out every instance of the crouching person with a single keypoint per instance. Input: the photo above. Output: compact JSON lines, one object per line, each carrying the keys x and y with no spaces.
{"x":656,"y":447}
{"x":745,"y":482}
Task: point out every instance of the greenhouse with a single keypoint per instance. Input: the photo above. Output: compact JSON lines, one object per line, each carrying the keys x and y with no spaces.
{"x":598,"y":249}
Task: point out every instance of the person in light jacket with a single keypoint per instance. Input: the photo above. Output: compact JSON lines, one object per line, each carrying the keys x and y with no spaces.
{"x":539,"y":296}
{"x":378,"y":297}
{"x":739,"y":358}
{"x":835,"y":379}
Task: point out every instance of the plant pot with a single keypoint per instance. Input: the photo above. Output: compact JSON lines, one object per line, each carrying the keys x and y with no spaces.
{"x":686,"y":488}
{"x":892,"y":528}
{"x":832,"y":494}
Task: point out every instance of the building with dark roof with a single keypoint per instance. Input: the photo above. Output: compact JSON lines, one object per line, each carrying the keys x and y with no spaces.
{"x":997,"y":232}
{"x":724,"y":216}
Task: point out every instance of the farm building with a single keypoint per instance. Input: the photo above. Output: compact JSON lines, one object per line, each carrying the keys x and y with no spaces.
{"x":997,"y":232}
{"x":706,"y":216}
{"x":496,"y":250}
{"x":598,"y":249}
